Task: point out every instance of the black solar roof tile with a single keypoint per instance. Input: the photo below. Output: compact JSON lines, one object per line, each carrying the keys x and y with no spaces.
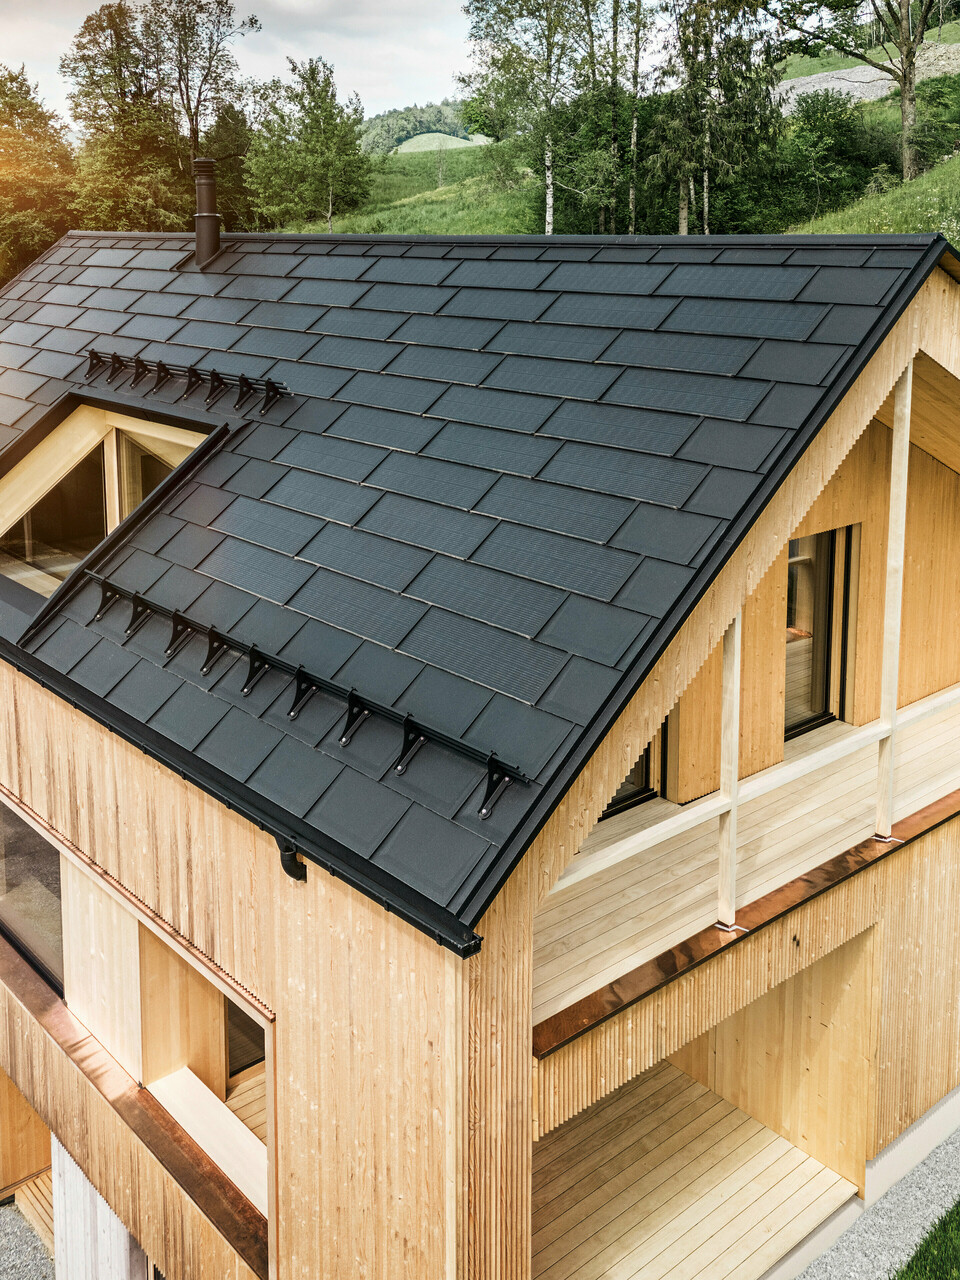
{"x":222,"y":310}
{"x":483,"y":653}
{"x":807,"y":362}
{"x":565,"y":562}
{"x":601,"y":632}
{"x":320,"y":648}
{"x":494,"y":408}
{"x":151,"y":327}
{"x":113,"y":299}
{"x":378,"y":673}
{"x":652,"y":584}
{"x":342,"y":322}
{"x":66,"y":644}
{"x":358,"y":607}
{"x":557,"y":507}
{"x":155,"y":259}
{"x":314,"y":721}
{"x":71,"y":294}
{"x":274,"y":342}
{"x":103,"y":667}
{"x":136,"y":570}
{"x":694,"y":353}
{"x":295,"y":776}
{"x":322,"y":496}
{"x":143,"y":690}
{"x":629,"y":475}
{"x":100,"y":322}
{"x":429,"y":478}
{"x":358,"y":812}
{"x":723,"y":493}
{"x":221,"y":605}
{"x":443,"y":701}
{"x":263,"y":441}
{"x":600,"y":309}
{"x":26,"y":335}
{"x":110,"y":257}
{"x":53,"y":364}
{"x":731,"y":444}
{"x":152,"y":535}
{"x":323,"y":293}
{"x":162,"y":304}
{"x":829,"y":256}
{"x":846,"y":324}
{"x":253,"y":477}
{"x":251,"y":264}
{"x":593,"y":277}
{"x":14,"y":382}
{"x":268,"y":626}
{"x":202,"y":505}
{"x":526,"y":736}
{"x":366,"y":556}
{"x":405,"y":297}
{"x":499,"y":304}
{"x":384,"y":427}
{"x":178,"y":588}
{"x":413,"y":395}
{"x":188,"y":716}
{"x":14,"y":356}
{"x":206,"y":333}
{"x":328,"y":267}
{"x":561,"y":342}
{"x":238,"y":744}
{"x":501,"y":275}
{"x":498,"y":450}
{"x":407,"y":270}
{"x":427,"y":524}
{"x":670,"y":535}
{"x":431,"y":855}
{"x":258,"y":288}
{"x":486,"y":594}
{"x":438,"y":780}
{"x":143,"y":280}
{"x":552,"y":377}
{"x":787,"y":406}
{"x":55,"y":315}
{"x":271,"y":686}
{"x":579,"y":688}
{"x":447,"y":331}
{"x":442,"y":363}
{"x":275,"y":527}
{"x":741,"y":282}
{"x":256,"y":569}
{"x":354,"y":353}
{"x":99,"y":276}
{"x":734,"y":398}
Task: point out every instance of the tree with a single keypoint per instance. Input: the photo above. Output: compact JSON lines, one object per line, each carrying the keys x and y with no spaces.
{"x":885,"y":34}
{"x":719,"y":112}
{"x":524,"y":52}
{"x":35,"y":168}
{"x":189,"y":41}
{"x":305,"y":161}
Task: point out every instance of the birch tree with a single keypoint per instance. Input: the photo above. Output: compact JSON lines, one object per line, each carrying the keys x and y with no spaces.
{"x":530,"y":43}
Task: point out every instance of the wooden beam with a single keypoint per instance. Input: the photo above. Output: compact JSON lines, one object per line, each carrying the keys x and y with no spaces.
{"x":893,"y":597}
{"x":729,"y":773}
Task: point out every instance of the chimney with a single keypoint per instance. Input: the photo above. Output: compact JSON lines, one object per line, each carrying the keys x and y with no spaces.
{"x":206,"y":219}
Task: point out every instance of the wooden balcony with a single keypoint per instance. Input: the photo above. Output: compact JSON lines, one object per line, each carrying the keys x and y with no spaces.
{"x":647,"y":879}
{"x":666,"y":1179}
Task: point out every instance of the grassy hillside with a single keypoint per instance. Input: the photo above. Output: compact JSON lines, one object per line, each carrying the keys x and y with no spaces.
{"x":929,"y":203}
{"x":405,"y":199}
{"x":798,"y":65}
{"x":430,"y":142}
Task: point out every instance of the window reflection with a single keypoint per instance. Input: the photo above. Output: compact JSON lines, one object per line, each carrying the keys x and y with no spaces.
{"x":636,"y":787}
{"x":48,"y":543}
{"x":30,"y":895}
{"x":809,"y":625}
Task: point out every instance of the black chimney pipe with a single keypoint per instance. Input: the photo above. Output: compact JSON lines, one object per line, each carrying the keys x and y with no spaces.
{"x":206,"y":219}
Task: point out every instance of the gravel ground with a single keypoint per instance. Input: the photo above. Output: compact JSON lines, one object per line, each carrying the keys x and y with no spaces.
{"x":889,"y":1233}
{"x":866,"y":83}
{"x":22,"y":1256}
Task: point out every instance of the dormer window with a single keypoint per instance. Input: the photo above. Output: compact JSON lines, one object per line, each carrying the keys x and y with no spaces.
{"x":80,"y":482}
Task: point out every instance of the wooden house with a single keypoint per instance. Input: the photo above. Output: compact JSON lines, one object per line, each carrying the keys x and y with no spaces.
{"x":479,"y":750}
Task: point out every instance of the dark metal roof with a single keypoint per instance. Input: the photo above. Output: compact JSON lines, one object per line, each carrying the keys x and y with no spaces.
{"x":502,"y":474}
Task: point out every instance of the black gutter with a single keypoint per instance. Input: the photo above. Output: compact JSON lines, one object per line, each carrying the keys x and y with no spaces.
{"x":555,"y":790}
{"x":291,"y":834}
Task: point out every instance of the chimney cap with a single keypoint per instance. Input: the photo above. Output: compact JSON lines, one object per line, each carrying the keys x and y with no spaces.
{"x":206,"y":219}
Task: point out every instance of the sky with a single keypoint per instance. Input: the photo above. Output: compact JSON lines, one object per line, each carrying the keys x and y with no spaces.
{"x":392,"y":52}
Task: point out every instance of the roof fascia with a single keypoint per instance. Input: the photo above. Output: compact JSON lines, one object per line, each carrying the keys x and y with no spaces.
{"x":567,"y":771}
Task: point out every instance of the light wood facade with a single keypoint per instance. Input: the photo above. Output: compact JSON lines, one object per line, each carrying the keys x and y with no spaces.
{"x":405,"y":1127}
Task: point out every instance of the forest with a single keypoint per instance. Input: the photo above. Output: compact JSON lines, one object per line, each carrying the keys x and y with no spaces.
{"x":606,"y":117}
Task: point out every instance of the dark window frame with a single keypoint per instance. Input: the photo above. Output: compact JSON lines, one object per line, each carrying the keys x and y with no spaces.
{"x":53,"y":980}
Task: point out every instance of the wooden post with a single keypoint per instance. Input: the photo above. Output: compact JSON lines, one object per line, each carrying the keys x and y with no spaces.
{"x":896,"y":534}
{"x":729,"y":773}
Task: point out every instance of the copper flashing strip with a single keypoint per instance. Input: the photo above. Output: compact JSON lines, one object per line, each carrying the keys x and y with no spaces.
{"x":556,"y":1031}
{"x":242,"y":1226}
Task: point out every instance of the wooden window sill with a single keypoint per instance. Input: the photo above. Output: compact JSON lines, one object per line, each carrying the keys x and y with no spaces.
{"x":240,"y":1223}
{"x":585,"y":1014}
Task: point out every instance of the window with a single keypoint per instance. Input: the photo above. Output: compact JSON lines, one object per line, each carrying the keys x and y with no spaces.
{"x":52,"y":538}
{"x":818,"y":605}
{"x":641,"y":783}
{"x":52,"y":530}
{"x":245,"y":1041}
{"x":30,"y":896}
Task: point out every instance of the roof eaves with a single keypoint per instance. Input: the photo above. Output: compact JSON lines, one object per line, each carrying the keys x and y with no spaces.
{"x":940,"y":250}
